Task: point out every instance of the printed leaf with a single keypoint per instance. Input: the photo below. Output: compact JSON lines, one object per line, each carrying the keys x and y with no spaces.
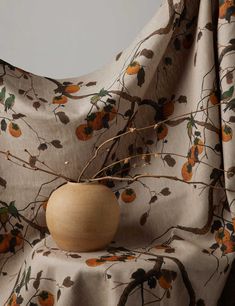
{"x":139,"y":274}
{"x":141,"y":77}
{"x":118,"y":56}
{"x":182,"y":99}
{"x":169,"y":160}
{"x":228,"y":93}
{"x":232,"y":119}
{"x":56,"y":144}
{"x":91,"y":84}
{"x":29,"y":97}
{"x":32,"y":161}
{"x":143,"y":218}
{"x":12,"y":209}
{"x":36,"y":283}
{"x":165,"y":191}
{"x":147,"y":53}
{"x":199,"y":35}
{"x":63,"y":117}
{"x":17,"y":116}
{"x":58,"y":294}
{"x":74,"y":255}
{"x":21,"y":91}
{"x":2,"y":94}
{"x":231,"y":172}
{"x":68,"y":282}
{"x":200,"y":302}
{"x":36,"y":105}
{"x":9,"y":102}
{"x":229,"y":77}
{"x":3,"y":125}
{"x":47,"y":253}
{"x":153,"y":199}
{"x":209,"y":26}
{"x":43,"y":100}
{"x":27,"y":277}
{"x":19,"y":300}
{"x":42,"y":147}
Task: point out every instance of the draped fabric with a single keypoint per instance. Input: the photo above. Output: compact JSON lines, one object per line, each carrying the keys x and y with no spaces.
{"x":174,"y":180}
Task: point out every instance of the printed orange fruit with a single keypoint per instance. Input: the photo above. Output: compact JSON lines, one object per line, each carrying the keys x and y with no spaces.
{"x":45,"y":298}
{"x":162,"y":131}
{"x":164,"y":283}
{"x":233,"y":220}
{"x":94,"y":262}
{"x":133,"y":68}
{"x":110,"y":111}
{"x":111,"y":258}
{"x":60,"y":100}
{"x":128,"y":195}
{"x":4,"y":243}
{"x":186,"y":171}
{"x":213,"y":98}
{"x":12,"y":301}
{"x":168,"y":109}
{"x":94,"y":121}
{"x":192,"y":155}
{"x":17,"y":235}
{"x":14,"y":129}
{"x":227,"y":133}
{"x":84,"y":132}
{"x":72,"y":88}
{"x":230,"y":246}
{"x":199,"y":144}
{"x":222,"y":235}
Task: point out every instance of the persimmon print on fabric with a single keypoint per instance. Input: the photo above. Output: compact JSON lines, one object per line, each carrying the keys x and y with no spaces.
{"x":156,"y":125}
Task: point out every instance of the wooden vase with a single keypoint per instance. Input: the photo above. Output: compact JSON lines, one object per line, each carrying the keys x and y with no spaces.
{"x":82,"y":217}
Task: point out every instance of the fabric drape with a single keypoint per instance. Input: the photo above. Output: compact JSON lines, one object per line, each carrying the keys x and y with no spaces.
{"x":174,"y":180}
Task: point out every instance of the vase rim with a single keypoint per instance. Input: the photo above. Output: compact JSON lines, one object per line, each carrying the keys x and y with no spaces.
{"x":82,"y":183}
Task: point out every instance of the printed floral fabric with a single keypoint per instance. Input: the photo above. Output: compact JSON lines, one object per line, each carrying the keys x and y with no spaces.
{"x":175,"y":180}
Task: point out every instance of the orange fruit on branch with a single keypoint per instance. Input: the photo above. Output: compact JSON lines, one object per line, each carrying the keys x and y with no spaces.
{"x":14,"y":129}
{"x":162,"y":131}
{"x":4,"y":243}
{"x":110,"y":111}
{"x":60,"y":100}
{"x":94,"y":120}
{"x":45,"y":298}
{"x":186,"y":171}
{"x":12,"y":301}
{"x":94,"y":262}
{"x":213,"y":98}
{"x":168,"y":109}
{"x":128,"y":195}
{"x":164,"y":283}
{"x":133,"y":68}
{"x":84,"y":132}
{"x":230,"y":246}
{"x":72,"y":88}
{"x":227,"y":133}
{"x":222,"y":235}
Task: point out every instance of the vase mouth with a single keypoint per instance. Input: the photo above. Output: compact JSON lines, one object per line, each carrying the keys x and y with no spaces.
{"x":82,"y":183}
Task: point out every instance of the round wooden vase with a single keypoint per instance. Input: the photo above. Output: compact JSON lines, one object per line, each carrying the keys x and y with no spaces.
{"x":82,"y":217}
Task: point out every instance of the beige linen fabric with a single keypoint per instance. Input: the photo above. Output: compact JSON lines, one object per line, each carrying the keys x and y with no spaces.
{"x":176,"y":241}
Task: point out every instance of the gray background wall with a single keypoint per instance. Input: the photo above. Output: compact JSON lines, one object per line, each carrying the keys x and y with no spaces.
{"x":61,"y":38}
